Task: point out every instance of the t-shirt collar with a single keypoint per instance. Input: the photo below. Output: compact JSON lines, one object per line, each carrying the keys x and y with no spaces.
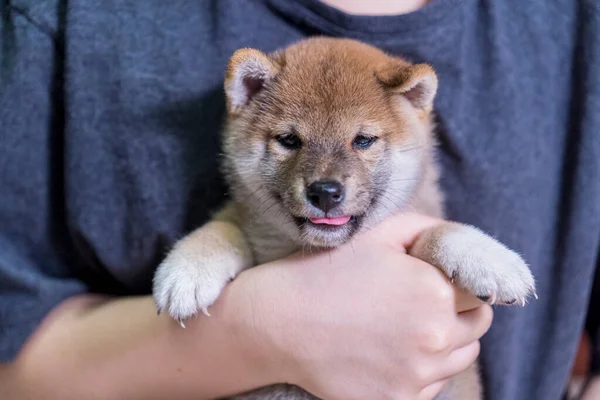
{"x":325,"y":19}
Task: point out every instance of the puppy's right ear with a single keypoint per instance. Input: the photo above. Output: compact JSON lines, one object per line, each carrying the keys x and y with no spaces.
{"x":249,"y":70}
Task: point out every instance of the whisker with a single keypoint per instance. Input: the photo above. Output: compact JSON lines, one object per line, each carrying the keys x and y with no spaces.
{"x":377,"y":202}
{"x":271,"y":206}
{"x":404,"y":180}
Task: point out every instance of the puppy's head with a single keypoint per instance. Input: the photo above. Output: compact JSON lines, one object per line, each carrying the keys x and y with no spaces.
{"x":326,"y":136}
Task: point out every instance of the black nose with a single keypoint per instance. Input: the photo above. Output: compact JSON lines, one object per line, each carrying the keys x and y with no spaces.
{"x":325,"y":195}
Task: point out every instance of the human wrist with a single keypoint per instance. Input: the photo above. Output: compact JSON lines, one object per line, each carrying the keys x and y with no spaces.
{"x":252,"y":306}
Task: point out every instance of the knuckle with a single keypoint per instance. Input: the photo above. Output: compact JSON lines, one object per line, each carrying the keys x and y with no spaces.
{"x":437,"y":339}
{"x":468,"y":359}
{"x":444,"y":294}
{"x":431,"y":391}
{"x":422,"y":374}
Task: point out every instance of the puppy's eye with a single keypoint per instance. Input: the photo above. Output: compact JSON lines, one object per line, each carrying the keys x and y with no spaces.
{"x":290,"y":141}
{"x":363,"y":141}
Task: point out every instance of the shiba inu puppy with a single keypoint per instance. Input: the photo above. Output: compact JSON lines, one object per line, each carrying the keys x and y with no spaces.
{"x":322,"y":140}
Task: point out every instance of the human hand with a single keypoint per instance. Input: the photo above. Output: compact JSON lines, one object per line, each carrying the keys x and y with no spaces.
{"x":592,"y":390}
{"x":365,"y":320}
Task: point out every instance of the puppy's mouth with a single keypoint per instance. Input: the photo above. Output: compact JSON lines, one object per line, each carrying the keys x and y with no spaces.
{"x":335,"y":221}
{"x":329,"y":223}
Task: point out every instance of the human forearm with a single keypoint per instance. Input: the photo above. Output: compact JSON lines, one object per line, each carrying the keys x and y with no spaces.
{"x":119,"y":349}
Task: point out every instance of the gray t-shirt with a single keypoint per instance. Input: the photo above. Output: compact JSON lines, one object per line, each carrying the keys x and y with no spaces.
{"x":110,"y":114}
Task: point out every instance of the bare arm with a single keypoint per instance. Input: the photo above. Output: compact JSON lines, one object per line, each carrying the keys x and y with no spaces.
{"x":102,"y":348}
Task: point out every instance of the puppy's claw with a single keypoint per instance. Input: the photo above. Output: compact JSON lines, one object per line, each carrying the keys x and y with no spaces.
{"x":488,"y":299}
{"x":535,"y":295}
{"x":454,"y":275}
{"x":158,"y":311}
{"x":523,"y":301}
{"x":181,"y":322}
{"x":205,"y":311}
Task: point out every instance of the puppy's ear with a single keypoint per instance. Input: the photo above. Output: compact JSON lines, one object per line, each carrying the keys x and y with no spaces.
{"x":418,"y":82}
{"x":249,"y":70}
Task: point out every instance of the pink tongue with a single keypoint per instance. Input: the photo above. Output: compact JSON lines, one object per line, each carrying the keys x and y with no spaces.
{"x":330,"y":221}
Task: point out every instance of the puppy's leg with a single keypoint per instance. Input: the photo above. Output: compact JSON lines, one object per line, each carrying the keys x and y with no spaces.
{"x":195,"y":272}
{"x":476,"y":262}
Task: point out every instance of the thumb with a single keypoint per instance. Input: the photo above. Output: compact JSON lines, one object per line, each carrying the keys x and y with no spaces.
{"x":403,"y":229}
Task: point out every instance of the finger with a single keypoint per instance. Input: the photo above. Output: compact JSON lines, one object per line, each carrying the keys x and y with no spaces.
{"x":411,"y":225}
{"x":466,"y":302}
{"x":404,"y":228}
{"x":433,"y":390}
{"x":592,"y":390}
{"x":460,"y":359}
{"x":472,"y":325}
{"x":455,"y":362}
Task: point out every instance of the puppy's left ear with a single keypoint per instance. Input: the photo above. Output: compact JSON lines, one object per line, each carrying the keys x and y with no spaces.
{"x":248,"y":72}
{"x":417,"y":83}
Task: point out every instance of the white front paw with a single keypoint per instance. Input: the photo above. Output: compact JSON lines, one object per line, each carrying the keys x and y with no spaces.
{"x":483,"y":266}
{"x":184,"y":285}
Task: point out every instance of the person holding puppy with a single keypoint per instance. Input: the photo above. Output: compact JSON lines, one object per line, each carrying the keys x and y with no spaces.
{"x":109,"y":123}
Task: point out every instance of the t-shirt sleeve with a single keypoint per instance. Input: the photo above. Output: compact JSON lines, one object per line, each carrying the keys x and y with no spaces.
{"x":34,"y":265}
